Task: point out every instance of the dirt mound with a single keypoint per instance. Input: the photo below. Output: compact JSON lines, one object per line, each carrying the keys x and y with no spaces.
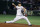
{"x":16,"y":25}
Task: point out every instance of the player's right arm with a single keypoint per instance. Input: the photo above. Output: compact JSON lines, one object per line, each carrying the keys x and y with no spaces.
{"x":14,"y":5}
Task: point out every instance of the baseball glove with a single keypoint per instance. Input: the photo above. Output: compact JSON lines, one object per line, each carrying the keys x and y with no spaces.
{"x":25,"y":14}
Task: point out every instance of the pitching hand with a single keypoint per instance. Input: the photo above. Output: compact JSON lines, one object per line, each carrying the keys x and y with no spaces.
{"x":13,"y":4}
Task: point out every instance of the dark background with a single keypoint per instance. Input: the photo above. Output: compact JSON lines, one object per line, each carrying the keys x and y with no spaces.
{"x":30,"y":5}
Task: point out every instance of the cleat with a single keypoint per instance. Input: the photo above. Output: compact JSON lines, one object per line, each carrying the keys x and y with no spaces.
{"x":5,"y":21}
{"x":30,"y":25}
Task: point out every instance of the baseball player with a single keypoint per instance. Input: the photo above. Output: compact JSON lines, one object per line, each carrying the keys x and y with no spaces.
{"x":19,"y":14}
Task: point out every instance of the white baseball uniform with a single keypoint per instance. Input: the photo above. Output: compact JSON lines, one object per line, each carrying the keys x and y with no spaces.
{"x":19,"y":15}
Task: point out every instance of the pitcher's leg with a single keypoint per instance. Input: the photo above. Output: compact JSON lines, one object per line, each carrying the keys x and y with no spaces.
{"x":27,"y":20}
{"x":12,"y":21}
{"x":15,"y":19}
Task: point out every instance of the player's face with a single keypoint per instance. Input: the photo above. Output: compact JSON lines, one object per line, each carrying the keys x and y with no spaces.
{"x":19,"y":4}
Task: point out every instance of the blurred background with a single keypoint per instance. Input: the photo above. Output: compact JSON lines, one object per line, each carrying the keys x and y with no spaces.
{"x":32,"y":6}
{"x":8,"y":11}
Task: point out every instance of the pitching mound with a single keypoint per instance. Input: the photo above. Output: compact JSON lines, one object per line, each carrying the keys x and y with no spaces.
{"x":16,"y":25}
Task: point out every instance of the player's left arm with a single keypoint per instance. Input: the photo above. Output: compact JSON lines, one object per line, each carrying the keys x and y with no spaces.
{"x":24,"y":10}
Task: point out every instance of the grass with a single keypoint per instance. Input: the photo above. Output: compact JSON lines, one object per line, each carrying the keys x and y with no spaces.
{"x":33,"y":19}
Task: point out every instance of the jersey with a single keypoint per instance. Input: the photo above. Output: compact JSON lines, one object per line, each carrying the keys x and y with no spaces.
{"x":19,"y":10}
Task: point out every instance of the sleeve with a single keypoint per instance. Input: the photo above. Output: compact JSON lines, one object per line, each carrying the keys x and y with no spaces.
{"x":22,"y":7}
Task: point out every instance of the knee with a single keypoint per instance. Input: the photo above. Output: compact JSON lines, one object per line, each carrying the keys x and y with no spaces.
{"x":26,"y":18}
